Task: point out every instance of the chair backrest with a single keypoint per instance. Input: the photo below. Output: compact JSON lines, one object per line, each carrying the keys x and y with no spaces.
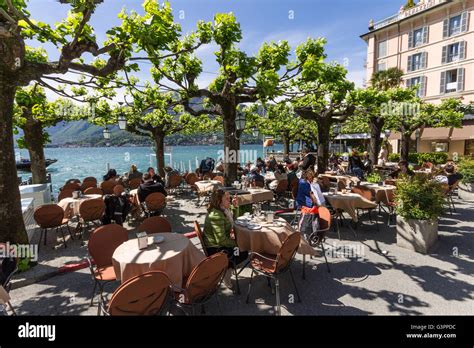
{"x":206,"y":277}
{"x":155,"y":201}
{"x":386,"y":196}
{"x":9,"y":266}
{"x":287,"y":252}
{"x":92,"y":209}
{"x":90,"y":179}
{"x":294,"y":189}
{"x":94,"y":191}
{"x":282,"y":186}
{"x":324,"y":219}
{"x":103,"y":242}
{"x":108,"y":186}
{"x":155,"y":224}
{"x":49,"y":215}
{"x":445,"y":188}
{"x":219,"y":178}
{"x":87,"y":184}
{"x":145,"y":294}
{"x":391,"y":182}
{"x":198,"y":231}
{"x":65,"y":194}
{"x":341,"y":185}
{"x":72,"y":181}
{"x":259,"y":184}
{"x":207,"y":176}
{"x":175,"y":180}
{"x":364,"y":192}
{"x":134,"y":183}
{"x":118,"y":190}
{"x":74,"y":186}
{"x":191,"y":178}
{"x":325,"y":182}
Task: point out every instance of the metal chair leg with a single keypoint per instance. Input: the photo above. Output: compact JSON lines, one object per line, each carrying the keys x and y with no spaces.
{"x":11,"y":308}
{"x":249,"y":289}
{"x":325,"y":258}
{"x":304,"y":263}
{"x":277,"y":294}
{"x":237,"y":286}
{"x":64,"y":238}
{"x":93,"y":293}
{"x":294,"y":285}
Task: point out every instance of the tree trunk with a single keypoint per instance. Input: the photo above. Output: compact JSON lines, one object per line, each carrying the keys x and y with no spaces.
{"x":405,"y":146}
{"x":323,"y":145}
{"x":231,"y":150}
{"x":34,"y":142}
{"x":375,"y":140}
{"x":12,"y":227}
{"x":286,"y":145}
{"x":159,"y":138}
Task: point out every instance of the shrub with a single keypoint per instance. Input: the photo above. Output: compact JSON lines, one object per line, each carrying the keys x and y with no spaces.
{"x":466,"y":168}
{"x":419,"y":158}
{"x":374,"y":178}
{"x":419,"y":198}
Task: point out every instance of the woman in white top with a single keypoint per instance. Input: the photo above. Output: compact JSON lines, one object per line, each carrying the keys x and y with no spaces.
{"x":316,"y":189}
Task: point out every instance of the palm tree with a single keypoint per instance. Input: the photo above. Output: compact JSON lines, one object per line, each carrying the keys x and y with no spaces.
{"x":386,"y":79}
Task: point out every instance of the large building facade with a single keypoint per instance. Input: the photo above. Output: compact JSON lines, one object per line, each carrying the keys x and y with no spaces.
{"x":433,"y":44}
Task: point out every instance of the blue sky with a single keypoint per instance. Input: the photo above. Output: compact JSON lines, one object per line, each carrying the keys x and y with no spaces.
{"x":340,"y":21}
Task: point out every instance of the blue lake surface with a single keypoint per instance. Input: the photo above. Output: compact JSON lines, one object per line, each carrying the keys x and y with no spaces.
{"x":83,"y":162}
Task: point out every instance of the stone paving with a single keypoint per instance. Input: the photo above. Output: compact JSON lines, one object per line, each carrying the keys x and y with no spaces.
{"x":387,"y":280}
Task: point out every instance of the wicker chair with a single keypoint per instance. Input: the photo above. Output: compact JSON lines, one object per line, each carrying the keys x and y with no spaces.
{"x":134,"y":183}
{"x":88,"y":184}
{"x":202,"y":284}
{"x":272,"y":266}
{"x":108,"y":186}
{"x":94,"y":191}
{"x":51,"y":216}
{"x":155,"y":224}
{"x":90,"y":211}
{"x":102,"y":244}
{"x":9,"y":267}
{"x":154,"y":204}
{"x":145,"y":294}
{"x":65,"y":194}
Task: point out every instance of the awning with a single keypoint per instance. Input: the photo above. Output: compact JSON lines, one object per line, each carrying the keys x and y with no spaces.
{"x":398,"y":136}
{"x":441,"y":133}
{"x":464,"y":133}
{"x":353,"y":136}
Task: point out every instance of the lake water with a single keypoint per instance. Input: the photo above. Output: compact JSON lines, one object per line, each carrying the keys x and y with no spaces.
{"x":83,"y":162}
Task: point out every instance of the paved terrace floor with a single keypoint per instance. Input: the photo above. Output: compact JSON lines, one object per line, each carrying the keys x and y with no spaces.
{"x":387,"y":280}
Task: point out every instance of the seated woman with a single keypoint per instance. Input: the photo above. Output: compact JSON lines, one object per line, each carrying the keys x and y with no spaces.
{"x":280,"y":175}
{"x":111,"y":175}
{"x":218,"y":232}
{"x":356,"y":167}
{"x":403,"y":169}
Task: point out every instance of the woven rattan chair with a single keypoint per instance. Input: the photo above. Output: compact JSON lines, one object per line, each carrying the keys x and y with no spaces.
{"x":154,"y":204}
{"x":90,"y":211}
{"x":94,"y":191}
{"x":155,"y":224}
{"x":51,"y":216}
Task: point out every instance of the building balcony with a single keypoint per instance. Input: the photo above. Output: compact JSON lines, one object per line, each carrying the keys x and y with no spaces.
{"x":422,"y":6}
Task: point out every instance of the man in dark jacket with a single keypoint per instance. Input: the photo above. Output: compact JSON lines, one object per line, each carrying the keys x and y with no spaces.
{"x":148,"y":187}
{"x":309,"y":160}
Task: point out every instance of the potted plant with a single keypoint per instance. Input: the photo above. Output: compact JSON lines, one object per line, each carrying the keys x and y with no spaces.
{"x":419,"y":203}
{"x":466,"y":186}
{"x":374,"y":178}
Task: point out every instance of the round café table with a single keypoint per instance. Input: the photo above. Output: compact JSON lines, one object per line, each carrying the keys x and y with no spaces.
{"x":349,"y":202}
{"x":379,"y":190}
{"x":176,"y":256}
{"x":71,"y":205}
{"x":269,"y":238}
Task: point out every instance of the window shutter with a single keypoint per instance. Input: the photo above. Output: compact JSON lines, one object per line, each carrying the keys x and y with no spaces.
{"x":422,"y":87}
{"x":424,"y":60}
{"x":460,"y":79}
{"x":444,"y":56}
{"x":425,"y":35}
{"x":446,"y":28}
{"x":464,"y":21}
{"x":410,"y":39}
{"x":462,"y":50}
{"x":442,"y":87}
{"x":409,"y":63}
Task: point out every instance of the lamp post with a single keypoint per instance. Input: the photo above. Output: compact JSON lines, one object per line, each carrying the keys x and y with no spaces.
{"x":255,"y":132}
{"x":106,"y":133}
{"x":240,"y":122}
{"x":122,"y":121}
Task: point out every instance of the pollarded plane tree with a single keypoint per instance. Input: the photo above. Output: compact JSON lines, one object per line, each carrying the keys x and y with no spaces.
{"x":241,"y":79}
{"x":320,"y":94}
{"x":75,"y":40}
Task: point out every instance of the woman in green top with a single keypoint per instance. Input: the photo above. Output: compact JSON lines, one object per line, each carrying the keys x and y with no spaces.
{"x":218,"y":229}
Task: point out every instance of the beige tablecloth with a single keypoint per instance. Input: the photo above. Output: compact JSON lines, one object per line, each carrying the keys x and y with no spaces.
{"x":207,"y":185}
{"x":255,"y":195}
{"x":71,"y":205}
{"x":176,"y":256}
{"x":378,"y":190}
{"x":349,"y":202}
{"x":345,"y":179}
{"x":269,"y":239}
